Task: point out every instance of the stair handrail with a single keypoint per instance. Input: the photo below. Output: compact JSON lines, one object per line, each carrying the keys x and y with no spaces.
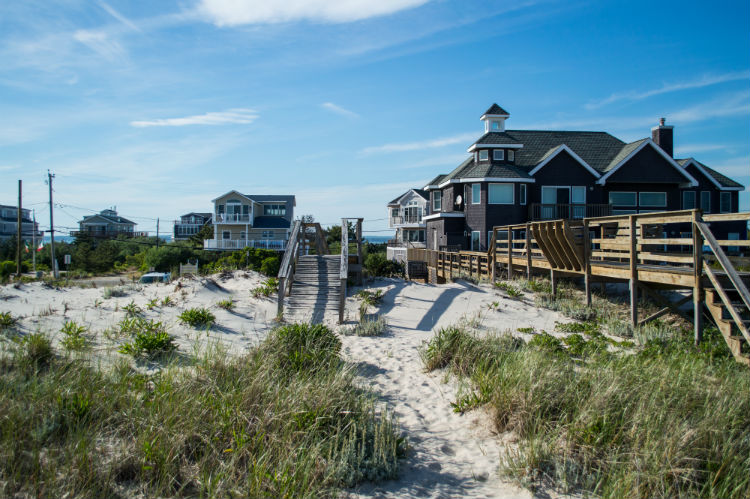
{"x":723,"y":260}
{"x":727,"y":302}
{"x":288,"y":266}
{"x":344,"y":267}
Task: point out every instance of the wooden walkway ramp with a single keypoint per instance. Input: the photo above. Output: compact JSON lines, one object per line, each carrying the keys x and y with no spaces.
{"x":650,"y":251}
{"x":312,"y":282}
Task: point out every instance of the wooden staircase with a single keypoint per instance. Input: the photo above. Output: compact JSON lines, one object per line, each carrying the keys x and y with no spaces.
{"x":731,"y":315}
{"x":316,"y":288}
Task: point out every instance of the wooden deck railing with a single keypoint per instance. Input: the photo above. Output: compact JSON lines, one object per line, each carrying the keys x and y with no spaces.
{"x":289,"y":265}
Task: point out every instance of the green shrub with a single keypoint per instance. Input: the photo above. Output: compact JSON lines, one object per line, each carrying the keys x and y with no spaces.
{"x":132,"y":310}
{"x":198,"y":317}
{"x":266,"y":289}
{"x":227,"y":304}
{"x":73,"y":336}
{"x":115,"y":292}
{"x":545,"y":341}
{"x":304,"y":347}
{"x":9,"y":267}
{"x":270,"y":266}
{"x":37,"y":351}
{"x":7,"y":321}
{"x":150,"y":338}
{"x":511,"y":290}
{"x":369,"y":326}
{"x":376,"y":264}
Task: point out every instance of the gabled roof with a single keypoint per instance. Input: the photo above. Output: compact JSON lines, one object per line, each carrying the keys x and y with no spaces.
{"x":434,"y":182}
{"x":496,"y":139}
{"x":630,"y":150}
{"x":719,"y":180}
{"x":419,"y":192}
{"x":557,"y":150}
{"x":204,"y":215}
{"x":264,"y":222}
{"x":115,"y":219}
{"x":485,"y":170}
{"x":262,"y":198}
{"x":496,"y":111}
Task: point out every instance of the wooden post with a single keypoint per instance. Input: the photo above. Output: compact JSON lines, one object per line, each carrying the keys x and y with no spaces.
{"x":553,"y":281}
{"x":528,"y":251}
{"x":510,"y":253}
{"x":342,"y":301}
{"x":281,"y":293}
{"x":493,"y":253}
{"x":19,"y":235}
{"x":633,"y":272}
{"x":586,"y":263}
{"x":697,"y":274}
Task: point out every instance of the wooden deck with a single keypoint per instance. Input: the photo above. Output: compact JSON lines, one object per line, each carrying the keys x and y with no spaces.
{"x":641,"y":249}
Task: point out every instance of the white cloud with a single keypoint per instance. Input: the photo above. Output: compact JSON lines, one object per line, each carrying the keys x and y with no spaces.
{"x":704,"y":81}
{"x":238,"y":12}
{"x":124,"y":20}
{"x":735,"y":168}
{"x":339,"y":110}
{"x":467,"y":138}
{"x":689,"y":149}
{"x":232,"y":116}
{"x":100,"y":42}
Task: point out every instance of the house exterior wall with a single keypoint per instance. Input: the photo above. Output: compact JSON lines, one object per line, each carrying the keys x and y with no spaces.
{"x":563,"y":170}
{"x":647,"y":166}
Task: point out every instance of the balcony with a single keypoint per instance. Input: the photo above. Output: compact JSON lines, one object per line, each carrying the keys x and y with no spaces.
{"x":238,"y":244}
{"x":107,"y":233}
{"x":405,"y":219}
{"x":232,"y":218}
{"x":396,"y":243}
{"x":544,"y":211}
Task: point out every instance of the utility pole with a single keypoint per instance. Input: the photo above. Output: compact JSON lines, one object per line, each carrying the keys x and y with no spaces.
{"x":157,"y":232}
{"x":52,"y":226}
{"x":33,"y":240}
{"x":18,"y":234}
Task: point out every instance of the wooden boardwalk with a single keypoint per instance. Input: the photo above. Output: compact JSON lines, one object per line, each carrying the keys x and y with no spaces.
{"x":632,"y":248}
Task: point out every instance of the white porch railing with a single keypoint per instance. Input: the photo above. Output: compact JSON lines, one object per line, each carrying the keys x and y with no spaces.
{"x":231,"y":218}
{"x":236,"y":244}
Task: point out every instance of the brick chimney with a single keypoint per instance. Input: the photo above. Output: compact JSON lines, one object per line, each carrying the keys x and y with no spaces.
{"x":663,"y":136}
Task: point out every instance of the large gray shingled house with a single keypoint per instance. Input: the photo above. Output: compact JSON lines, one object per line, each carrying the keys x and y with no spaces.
{"x":516,"y":176}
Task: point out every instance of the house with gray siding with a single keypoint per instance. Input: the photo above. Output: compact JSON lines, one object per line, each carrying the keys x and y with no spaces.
{"x":251,"y":220}
{"x":517,"y":176}
{"x":107,"y":224}
{"x":9,"y":224}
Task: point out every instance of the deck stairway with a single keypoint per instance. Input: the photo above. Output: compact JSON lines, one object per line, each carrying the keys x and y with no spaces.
{"x":316,"y":289}
{"x":732,"y":318}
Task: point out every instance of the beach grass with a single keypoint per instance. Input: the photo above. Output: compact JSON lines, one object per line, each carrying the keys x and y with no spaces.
{"x":664,"y":419}
{"x":284,"y":420}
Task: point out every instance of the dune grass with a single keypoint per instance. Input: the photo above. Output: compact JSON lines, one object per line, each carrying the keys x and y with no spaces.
{"x":663,"y":420}
{"x":285,"y":420}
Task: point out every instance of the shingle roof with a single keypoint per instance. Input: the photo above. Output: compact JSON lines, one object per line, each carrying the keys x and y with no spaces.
{"x":436,"y":180}
{"x":624,"y":152}
{"x":264,"y":198}
{"x":492,"y":138}
{"x":722,"y":179}
{"x":485,"y":169}
{"x":271,"y":223}
{"x":495,"y":109}
{"x":110,"y":218}
{"x":420,"y":192}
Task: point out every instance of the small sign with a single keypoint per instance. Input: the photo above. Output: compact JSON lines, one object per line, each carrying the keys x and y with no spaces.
{"x":67,"y":260}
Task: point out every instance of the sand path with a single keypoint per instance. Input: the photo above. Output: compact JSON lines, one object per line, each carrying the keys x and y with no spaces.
{"x":451,"y":455}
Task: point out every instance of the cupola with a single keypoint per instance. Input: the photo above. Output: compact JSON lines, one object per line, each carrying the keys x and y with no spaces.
{"x":494,"y":119}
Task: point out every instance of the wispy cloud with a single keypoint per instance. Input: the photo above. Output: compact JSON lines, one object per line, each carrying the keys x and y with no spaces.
{"x":339,"y":110}
{"x":688,"y":149}
{"x":238,"y":116}
{"x":238,"y":12}
{"x":704,"y":81}
{"x":423,"y":144}
{"x":101,"y":43}
{"x":124,"y":20}
{"x":736,"y":168}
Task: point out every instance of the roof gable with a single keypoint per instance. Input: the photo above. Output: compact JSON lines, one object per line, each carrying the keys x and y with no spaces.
{"x":496,"y":110}
{"x":630,"y":150}
{"x":552,"y":153}
{"x":721,"y":181}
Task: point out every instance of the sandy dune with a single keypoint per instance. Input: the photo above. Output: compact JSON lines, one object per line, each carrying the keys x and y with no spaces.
{"x":451,"y":455}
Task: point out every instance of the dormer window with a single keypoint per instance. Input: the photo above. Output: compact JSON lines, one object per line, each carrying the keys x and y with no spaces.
{"x":511,"y":155}
{"x":483,"y":155}
{"x":495,"y":126}
{"x":498,"y":154}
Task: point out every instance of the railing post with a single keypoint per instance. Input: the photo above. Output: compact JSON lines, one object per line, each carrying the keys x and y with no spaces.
{"x":493,"y":253}
{"x":586,"y":263}
{"x":553,"y":281}
{"x":510,"y":253}
{"x":697,"y":275}
{"x":528,"y":251}
{"x":281,"y":293}
{"x":633,"y":271}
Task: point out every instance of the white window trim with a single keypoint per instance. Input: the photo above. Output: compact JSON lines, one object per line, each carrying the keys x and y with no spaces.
{"x":524,"y":198}
{"x":700,"y":201}
{"x":512,"y":190}
{"x":511,"y":155}
{"x":635,"y":205}
{"x":653,"y":192}
{"x":223,"y":233}
{"x":437,"y":201}
{"x":501,"y":155}
{"x":572,"y":187}
{"x":479,"y":155}
{"x":555,"y":187}
{"x":695,"y":200}
{"x":721,"y":196}
{"x":478,"y":199}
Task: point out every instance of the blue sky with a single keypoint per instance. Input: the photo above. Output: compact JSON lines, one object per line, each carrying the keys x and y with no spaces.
{"x":158,"y":107}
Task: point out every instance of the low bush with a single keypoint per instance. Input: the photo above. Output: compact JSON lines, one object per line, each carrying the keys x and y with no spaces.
{"x":149,"y":338}
{"x":7,"y":320}
{"x":509,"y":289}
{"x":227,"y":304}
{"x":73,"y":336}
{"x":115,"y":292}
{"x":36,"y":351}
{"x":376,"y":264}
{"x":198,"y":318}
{"x":132,"y":310}
{"x":369,"y":326}
{"x":266,"y":289}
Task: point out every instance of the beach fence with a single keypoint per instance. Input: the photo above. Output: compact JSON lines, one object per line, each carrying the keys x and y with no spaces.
{"x":189,"y":268}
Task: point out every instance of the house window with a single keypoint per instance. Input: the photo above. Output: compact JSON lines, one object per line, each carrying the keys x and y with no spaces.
{"x":511,"y":155}
{"x":495,"y":126}
{"x":267,"y":234}
{"x":483,"y":155}
{"x":275,"y":210}
{"x":688,"y":200}
{"x":706,"y":201}
{"x":437,"y":201}
{"x":725,"y":202}
{"x":226,"y":235}
{"x":500,"y":193}
{"x":476,"y":194}
{"x":475,"y":240}
{"x":394,"y":212}
{"x":578,"y":194}
{"x":623,"y":198}
{"x":242,"y":235}
{"x":653,"y":199}
{"x":522,"y":193}
{"x":498,"y":154}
